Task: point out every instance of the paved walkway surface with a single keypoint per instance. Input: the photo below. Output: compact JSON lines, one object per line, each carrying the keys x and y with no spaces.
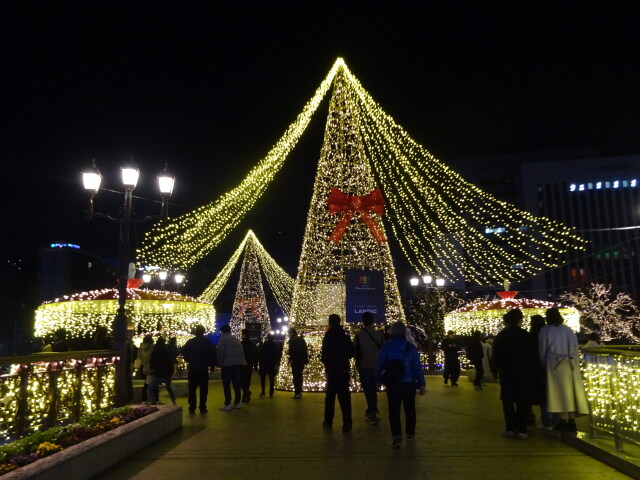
{"x":458,"y":437}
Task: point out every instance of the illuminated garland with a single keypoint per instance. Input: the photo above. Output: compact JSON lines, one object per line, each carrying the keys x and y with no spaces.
{"x":486,"y":316}
{"x":187,"y":239}
{"x":279,"y":281}
{"x":438,"y":219}
{"x":149,"y":310}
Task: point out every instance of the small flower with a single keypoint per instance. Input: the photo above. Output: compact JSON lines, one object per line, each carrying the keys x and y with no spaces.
{"x":47,"y":448}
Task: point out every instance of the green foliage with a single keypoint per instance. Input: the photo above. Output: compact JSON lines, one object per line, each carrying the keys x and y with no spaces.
{"x":30,"y":443}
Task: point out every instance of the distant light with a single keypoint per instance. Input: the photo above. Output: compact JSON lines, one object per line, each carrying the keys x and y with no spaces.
{"x":178,"y":277}
{"x":427,"y":279}
{"x":590,"y":186}
{"x":162,"y":275}
{"x":581,"y":187}
{"x":414,"y":281}
{"x":616,"y":184}
{"x":279,"y":320}
{"x":633,"y":182}
{"x":146,"y":278}
{"x":572,"y":187}
{"x":440,"y":282}
{"x":598,"y":185}
{"x":64,"y":245}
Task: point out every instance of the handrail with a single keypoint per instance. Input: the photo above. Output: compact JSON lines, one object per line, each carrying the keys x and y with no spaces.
{"x":611,"y":375}
{"x":53,"y":388}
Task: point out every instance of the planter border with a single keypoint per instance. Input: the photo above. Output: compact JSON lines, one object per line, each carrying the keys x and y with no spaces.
{"x":97,"y":454}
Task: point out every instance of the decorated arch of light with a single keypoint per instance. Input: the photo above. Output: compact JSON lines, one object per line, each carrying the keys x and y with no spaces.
{"x":485,"y":316}
{"x":149,"y":311}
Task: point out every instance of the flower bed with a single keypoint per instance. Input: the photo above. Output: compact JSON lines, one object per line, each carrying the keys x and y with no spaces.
{"x":39,"y":445}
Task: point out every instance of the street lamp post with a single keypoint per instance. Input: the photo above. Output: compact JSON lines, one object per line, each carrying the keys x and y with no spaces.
{"x":122,"y":328}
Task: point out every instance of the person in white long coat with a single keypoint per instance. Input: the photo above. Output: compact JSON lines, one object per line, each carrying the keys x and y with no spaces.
{"x":558,"y":349}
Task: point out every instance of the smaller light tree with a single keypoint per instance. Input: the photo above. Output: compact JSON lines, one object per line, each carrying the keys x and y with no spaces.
{"x":427,"y":310}
{"x":611,"y":316}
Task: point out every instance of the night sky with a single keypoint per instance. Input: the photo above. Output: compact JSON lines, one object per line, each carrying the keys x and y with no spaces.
{"x":210,"y":89}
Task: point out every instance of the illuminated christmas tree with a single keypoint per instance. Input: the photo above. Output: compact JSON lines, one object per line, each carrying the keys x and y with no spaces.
{"x":344,"y":231}
{"x":250,"y":305}
{"x":344,"y":227}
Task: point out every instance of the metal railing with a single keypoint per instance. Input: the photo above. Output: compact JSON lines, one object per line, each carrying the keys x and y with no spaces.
{"x":42,"y":390}
{"x":612,"y":384}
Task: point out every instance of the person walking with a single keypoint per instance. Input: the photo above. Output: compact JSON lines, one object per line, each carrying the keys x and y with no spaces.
{"x":298,"y":358}
{"x":199,"y":354}
{"x":268,"y":361}
{"x":251,"y":357}
{"x":368,"y":344}
{"x":451,"y":360}
{"x":475,"y":354}
{"x":515,"y":357}
{"x":558,"y":349}
{"x":231,"y":360}
{"x":402,"y":392}
{"x":337,"y":350}
{"x":161,"y":371}
{"x":143,"y":361}
{"x":539,"y":394}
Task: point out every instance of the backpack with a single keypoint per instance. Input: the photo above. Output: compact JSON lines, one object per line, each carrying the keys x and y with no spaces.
{"x":393,"y":370}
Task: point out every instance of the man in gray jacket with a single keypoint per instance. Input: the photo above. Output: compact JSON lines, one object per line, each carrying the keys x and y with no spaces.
{"x":368,"y":343}
{"x":230,"y":359}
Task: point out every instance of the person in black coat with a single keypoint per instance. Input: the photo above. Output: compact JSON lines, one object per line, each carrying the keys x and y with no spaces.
{"x":451,"y":361}
{"x":516,"y":360}
{"x":161,"y":371}
{"x":268,"y":361}
{"x":199,"y":353}
{"x":251,"y":356}
{"x":475,"y":354}
{"x":337,"y":349}
{"x":298,"y":358}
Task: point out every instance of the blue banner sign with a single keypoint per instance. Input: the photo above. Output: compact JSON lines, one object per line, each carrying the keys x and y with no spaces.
{"x":365,"y":293}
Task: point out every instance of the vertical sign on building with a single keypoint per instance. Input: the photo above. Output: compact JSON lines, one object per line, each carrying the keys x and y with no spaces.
{"x":365,"y":293}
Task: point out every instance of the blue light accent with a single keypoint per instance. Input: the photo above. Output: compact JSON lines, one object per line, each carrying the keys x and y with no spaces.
{"x":64,"y":245}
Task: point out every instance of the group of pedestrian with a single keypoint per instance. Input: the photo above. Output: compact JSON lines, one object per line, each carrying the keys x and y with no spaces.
{"x":237,"y":360}
{"x":373,"y":356}
{"x":155,"y":364}
{"x":542,"y":368}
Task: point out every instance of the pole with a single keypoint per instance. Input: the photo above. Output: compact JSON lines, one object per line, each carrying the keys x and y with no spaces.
{"x":122,"y":334}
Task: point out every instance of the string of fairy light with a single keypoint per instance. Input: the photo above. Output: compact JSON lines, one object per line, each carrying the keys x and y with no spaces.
{"x":180,"y":243}
{"x":279,"y":281}
{"x":438,"y":219}
{"x":82,"y":313}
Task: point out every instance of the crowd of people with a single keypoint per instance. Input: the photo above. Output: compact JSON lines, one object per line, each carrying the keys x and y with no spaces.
{"x":535,"y":367}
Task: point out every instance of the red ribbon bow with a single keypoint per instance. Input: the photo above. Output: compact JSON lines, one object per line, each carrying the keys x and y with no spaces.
{"x":372,"y":202}
{"x":252,"y":304}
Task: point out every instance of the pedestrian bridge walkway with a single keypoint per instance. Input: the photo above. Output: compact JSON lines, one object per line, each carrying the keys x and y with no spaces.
{"x":458,"y":436}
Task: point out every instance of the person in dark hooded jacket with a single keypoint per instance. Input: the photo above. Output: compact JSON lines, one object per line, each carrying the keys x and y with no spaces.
{"x":161,"y":364}
{"x":337,"y":349}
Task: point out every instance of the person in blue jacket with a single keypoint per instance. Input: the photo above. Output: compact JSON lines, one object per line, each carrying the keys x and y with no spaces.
{"x":403,"y":392}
